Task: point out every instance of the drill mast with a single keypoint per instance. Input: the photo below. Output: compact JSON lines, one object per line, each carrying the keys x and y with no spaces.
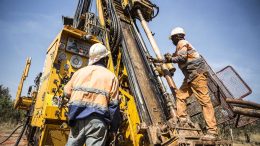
{"x":148,"y":110}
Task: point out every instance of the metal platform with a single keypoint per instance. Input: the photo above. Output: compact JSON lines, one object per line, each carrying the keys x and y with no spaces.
{"x":206,"y":143}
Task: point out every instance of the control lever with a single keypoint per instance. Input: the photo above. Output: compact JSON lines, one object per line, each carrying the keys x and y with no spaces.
{"x":62,"y":101}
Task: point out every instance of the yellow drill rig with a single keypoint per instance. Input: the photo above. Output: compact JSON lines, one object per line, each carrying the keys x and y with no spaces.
{"x":148,"y":110}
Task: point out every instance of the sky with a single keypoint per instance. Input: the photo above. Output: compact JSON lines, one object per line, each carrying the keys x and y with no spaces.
{"x":224,"y":32}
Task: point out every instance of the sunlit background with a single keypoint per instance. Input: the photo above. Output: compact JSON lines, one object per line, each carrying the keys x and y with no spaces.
{"x":224,"y":32}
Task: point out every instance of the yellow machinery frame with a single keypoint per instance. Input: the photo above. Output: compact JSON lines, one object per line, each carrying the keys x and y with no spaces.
{"x":47,"y":116}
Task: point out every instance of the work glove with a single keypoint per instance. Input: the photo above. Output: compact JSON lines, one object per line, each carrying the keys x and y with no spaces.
{"x":168,"y":57}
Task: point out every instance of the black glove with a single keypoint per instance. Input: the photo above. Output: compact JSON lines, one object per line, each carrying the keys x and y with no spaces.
{"x":168,"y":57}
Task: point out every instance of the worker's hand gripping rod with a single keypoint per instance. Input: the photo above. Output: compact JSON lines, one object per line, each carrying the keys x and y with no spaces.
{"x":159,"y":56}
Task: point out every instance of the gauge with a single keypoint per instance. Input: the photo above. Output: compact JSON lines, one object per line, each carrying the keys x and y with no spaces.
{"x":76,"y":61}
{"x":62,"y":46}
{"x":62,"y":56}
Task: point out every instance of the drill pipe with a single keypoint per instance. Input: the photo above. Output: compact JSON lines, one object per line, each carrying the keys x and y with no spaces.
{"x":246,"y":112}
{"x":158,"y":54}
{"x":242,"y":102}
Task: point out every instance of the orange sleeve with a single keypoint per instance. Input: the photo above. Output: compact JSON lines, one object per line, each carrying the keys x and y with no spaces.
{"x":181,"y":55}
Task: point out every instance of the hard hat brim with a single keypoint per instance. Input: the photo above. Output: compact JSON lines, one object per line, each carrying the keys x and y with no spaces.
{"x":94,"y":60}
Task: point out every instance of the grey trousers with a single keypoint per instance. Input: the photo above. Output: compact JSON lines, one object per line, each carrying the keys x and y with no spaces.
{"x":92,"y":131}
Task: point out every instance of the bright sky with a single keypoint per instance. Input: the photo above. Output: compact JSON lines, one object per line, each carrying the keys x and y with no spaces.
{"x":224,"y":32}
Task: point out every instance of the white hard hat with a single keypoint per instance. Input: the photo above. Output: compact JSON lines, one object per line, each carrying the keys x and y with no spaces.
{"x":97,"y":52}
{"x":177,"y":30}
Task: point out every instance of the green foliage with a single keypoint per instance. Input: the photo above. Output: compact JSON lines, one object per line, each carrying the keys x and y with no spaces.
{"x":7,"y":112}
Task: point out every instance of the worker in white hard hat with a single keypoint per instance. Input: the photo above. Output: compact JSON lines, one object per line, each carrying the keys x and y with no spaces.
{"x":193,"y":67}
{"x":93,"y":101}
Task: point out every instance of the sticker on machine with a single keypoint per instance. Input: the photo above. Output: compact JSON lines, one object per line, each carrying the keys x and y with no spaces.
{"x":77,"y":46}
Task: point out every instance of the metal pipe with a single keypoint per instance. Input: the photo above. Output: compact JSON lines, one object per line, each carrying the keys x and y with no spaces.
{"x":158,"y":54}
{"x":170,"y":102}
{"x":244,"y":106}
{"x":246,"y":112}
{"x":242,"y":102}
{"x":146,"y":51}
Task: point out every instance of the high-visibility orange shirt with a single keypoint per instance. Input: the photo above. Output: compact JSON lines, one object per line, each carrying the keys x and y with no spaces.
{"x":189,"y":60}
{"x":91,"y":90}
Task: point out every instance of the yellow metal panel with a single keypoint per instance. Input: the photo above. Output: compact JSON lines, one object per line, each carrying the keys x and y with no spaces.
{"x":119,"y":57}
{"x":53,"y":135}
{"x":53,"y":112}
{"x":25,"y":103}
{"x":37,"y":120}
{"x":128,"y":105}
{"x":51,"y":78}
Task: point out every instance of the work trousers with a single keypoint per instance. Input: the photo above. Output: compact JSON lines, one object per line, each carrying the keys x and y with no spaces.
{"x":92,"y":131}
{"x":198,"y":86}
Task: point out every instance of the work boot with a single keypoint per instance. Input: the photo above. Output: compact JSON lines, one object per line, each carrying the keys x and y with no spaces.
{"x":209,"y":137}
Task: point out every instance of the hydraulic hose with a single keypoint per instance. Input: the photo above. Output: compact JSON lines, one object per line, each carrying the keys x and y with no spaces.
{"x":21,"y":134}
{"x":157,"y":11}
{"x":118,"y":40}
{"x":83,"y":7}
{"x":24,"y":127}
{"x":116,"y":34}
{"x":12,"y":133}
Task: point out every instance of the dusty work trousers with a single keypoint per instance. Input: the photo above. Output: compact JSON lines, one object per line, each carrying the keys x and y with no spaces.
{"x":92,"y":131}
{"x":199,"y":87}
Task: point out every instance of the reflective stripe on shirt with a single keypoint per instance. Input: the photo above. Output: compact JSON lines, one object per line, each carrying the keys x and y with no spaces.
{"x":87,"y":104}
{"x":91,"y":90}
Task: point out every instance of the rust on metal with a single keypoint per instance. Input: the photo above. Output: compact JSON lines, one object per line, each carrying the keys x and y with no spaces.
{"x":142,"y":75}
{"x":245,"y":120}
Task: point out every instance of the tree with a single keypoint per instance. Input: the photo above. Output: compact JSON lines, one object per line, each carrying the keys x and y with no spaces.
{"x":7,"y":112}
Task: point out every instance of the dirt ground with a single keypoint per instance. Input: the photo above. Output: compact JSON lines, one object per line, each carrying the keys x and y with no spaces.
{"x":254,"y":141}
{"x":5,"y":131}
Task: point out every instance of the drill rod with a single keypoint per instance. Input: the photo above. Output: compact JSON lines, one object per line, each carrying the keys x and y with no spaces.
{"x":158,"y":54}
{"x":157,"y":51}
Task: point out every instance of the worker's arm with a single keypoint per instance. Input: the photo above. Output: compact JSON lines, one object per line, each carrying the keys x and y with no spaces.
{"x":113,"y":106}
{"x":180,"y":57}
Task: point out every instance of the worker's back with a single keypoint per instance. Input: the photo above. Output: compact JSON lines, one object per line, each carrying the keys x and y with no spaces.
{"x":91,"y":89}
{"x":90,"y":78}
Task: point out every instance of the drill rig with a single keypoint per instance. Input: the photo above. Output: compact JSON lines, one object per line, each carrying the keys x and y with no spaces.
{"x":148,"y":110}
